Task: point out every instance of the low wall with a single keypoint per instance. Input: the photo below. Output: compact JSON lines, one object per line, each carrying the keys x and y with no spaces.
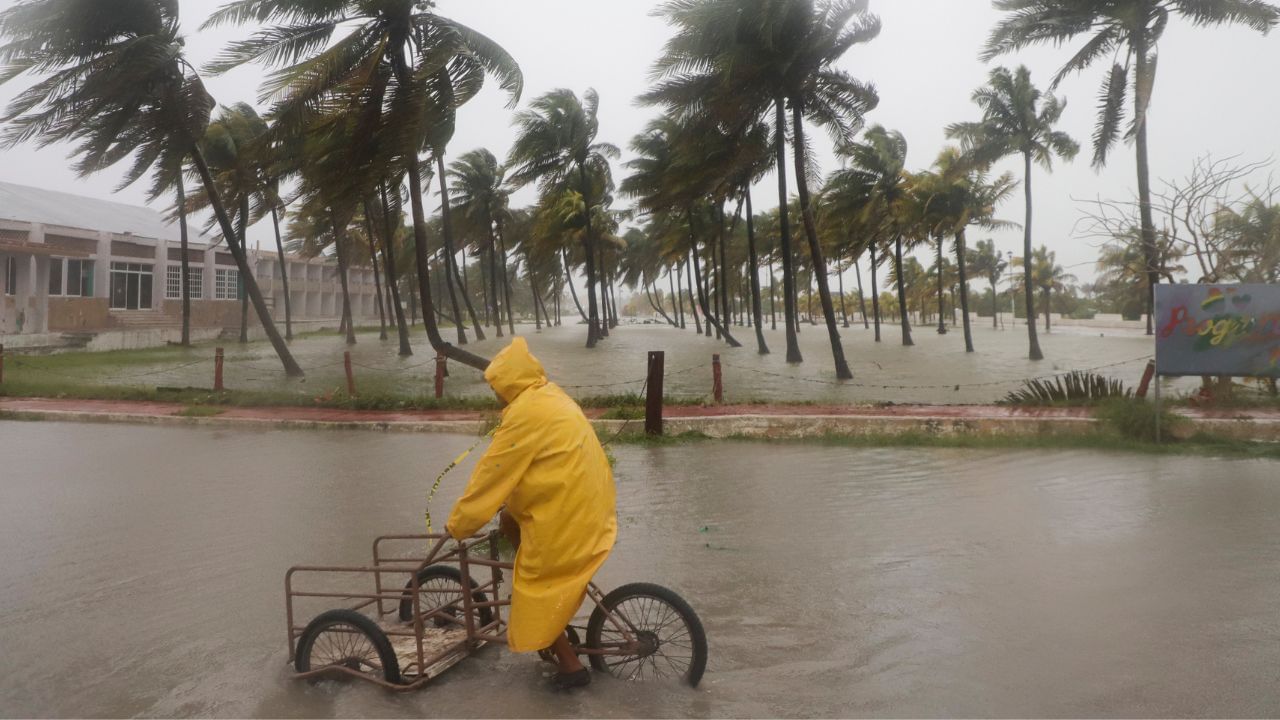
{"x":143,"y":338}
{"x":73,"y":314}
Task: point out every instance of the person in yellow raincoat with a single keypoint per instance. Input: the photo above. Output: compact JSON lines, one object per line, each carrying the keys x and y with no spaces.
{"x":548,"y":467}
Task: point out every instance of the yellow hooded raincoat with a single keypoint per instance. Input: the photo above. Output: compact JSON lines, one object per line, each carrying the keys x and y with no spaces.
{"x":548,"y":466}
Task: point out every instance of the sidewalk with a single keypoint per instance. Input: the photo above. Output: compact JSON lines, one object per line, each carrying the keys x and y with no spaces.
{"x":763,"y":421}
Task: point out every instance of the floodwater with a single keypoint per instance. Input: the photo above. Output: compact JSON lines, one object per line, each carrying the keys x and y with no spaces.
{"x":936,"y":370}
{"x":141,"y":574}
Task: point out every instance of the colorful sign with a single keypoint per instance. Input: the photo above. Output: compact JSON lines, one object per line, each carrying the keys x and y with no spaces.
{"x":1218,"y":330}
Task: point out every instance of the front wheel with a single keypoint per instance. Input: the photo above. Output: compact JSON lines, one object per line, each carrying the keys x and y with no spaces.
{"x":670,"y":635}
{"x":347,"y":639}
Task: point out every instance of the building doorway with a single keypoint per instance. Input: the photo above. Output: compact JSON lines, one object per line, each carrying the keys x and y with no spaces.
{"x":131,"y":285}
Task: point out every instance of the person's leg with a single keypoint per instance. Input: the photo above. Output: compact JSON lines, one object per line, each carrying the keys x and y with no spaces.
{"x":565,"y":655}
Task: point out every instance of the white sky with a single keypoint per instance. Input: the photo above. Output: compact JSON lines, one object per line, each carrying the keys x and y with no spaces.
{"x":1215,"y":93}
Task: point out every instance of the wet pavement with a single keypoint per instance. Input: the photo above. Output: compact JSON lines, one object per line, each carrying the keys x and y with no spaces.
{"x":141,"y":574}
{"x":935,"y":371}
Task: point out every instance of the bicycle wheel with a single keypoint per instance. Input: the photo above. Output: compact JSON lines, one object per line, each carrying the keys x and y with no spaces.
{"x":673,"y":643}
{"x":442,"y":578}
{"x":345,"y":638}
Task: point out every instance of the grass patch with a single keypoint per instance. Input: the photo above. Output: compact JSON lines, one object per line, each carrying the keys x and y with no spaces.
{"x":1099,"y":441}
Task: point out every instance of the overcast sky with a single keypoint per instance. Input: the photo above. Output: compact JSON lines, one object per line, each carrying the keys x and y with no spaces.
{"x":1215,"y":94}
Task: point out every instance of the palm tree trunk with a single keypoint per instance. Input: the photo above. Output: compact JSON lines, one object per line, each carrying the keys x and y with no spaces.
{"x":844,"y":311}
{"x":568,"y":275}
{"x":875,"y":292}
{"x":1142,"y":98}
{"x":995,"y":305}
{"x":506,"y":280}
{"x":291,"y":366}
{"x":393,"y":283}
{"x":722,"y":274}
{"x":450,"y":258}
{"x":186,"y":263}
{"x":773,"y":297}
{"x":648,"y":291}
{"x":377,"y":280}
{"x":466,"y":280}
{"x":537,"y":316}
{"x":754,"y":269}
{"x":588,"y":245}
{"x":942,"y":321}
{"x":1048,"y":296}
{"x":284,"y":275}
{"x":702,"y":300}
{"x":242,"y":229}
{"x":862,"y":297}
{"x":677,"y":304}
{"x":423,"y":256}
{"x":340,"y":247}
{"x":693,"y":304}
{"x":495,"y":285}
{"x":903,"y":314}
{"x":1034,"y":340}
{"x":788,"y":259}
{"x":964,"y":289}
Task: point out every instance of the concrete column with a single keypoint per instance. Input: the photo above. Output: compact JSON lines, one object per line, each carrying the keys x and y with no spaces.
{"x":102,"y":267}
{"x":37,"y":301}
{"x":160,"y":280}
{"x":207,"y":276}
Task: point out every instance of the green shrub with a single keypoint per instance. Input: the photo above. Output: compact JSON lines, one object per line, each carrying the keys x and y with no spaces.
{"x":1075,"y":388}
{"x":1136,"y":419}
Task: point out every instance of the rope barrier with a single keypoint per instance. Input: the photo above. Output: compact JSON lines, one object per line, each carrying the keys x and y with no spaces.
{"x":949,"y":386}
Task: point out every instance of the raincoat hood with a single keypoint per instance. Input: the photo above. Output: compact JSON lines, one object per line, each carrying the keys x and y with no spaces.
{"x":514,"y":370}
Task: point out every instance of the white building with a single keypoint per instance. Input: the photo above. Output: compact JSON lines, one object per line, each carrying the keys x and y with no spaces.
{"x":72,"y":264}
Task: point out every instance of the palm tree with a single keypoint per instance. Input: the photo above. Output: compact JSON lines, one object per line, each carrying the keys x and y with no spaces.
{"x":401,"y":70}
{"x":990,"y":264}
{"x":482,"y":200}
{"x":1049,"y":276}
{"x":962,"y":196}
{"x":118,"y":86}
{"x":1253,"y":234}
{"x":1017,"y":119}
{"x":829,"y":97}
{"x":879,"y":162}
{"x":556,"y":148}
{"x":1128,"y":32}
{"x":723,"y":67}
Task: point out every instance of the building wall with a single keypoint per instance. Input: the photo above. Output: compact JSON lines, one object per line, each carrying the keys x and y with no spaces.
{"x":315,"y":289}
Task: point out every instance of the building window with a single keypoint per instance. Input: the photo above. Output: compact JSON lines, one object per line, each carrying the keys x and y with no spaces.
{"x":10,"y":276}
{"x":131,"y":286}
{"x":173,"y":282}
{"x":226,"y":284}
{"x":72,"y":278}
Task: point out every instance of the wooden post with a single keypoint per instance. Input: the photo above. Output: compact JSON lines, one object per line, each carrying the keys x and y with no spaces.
{"x":653,"y":400}
{"x":717,"y":380}
{"x":1146,"y":379}
{"x":351,"y":378}
{"x":217,"y":370}
{"x":441,"y":371}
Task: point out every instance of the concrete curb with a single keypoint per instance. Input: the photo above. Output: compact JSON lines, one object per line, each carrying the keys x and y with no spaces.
{"x":779,"y":427}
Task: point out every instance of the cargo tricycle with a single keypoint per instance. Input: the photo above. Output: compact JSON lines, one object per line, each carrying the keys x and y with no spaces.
{"x":408,"y":617}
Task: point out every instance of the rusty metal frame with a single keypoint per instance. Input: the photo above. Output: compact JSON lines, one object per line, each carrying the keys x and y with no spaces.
{"x":461,"y":554}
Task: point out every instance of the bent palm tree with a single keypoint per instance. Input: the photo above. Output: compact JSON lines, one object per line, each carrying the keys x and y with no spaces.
{"x":400,"y":69}
{"x":556,"y":148}
{"x":119,"y":86}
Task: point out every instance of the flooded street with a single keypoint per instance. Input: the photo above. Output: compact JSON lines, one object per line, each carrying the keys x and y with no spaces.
{"x":141,"y":573}
{"x":936,"y":371}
